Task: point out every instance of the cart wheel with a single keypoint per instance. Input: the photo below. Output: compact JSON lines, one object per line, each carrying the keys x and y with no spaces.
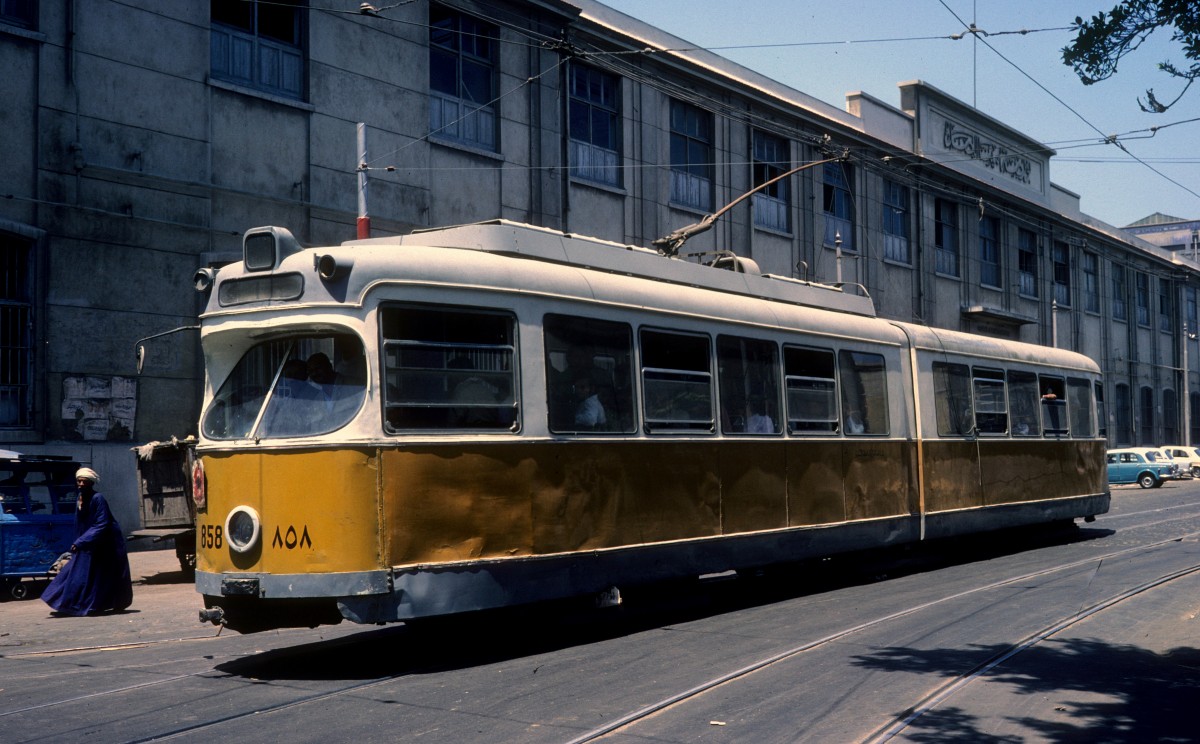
{"x":187,"y":562}
{"x":185,"y":551}
{"x":18,"y":590}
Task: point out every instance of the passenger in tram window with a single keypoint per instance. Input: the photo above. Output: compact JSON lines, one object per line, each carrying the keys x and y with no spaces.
{"x":565,"y":403}
{"x":760,"y":421}
{"x":589,"y":411}
{"x":854,"y":423}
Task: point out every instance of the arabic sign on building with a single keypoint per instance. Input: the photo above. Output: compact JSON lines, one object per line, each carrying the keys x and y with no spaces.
{"x":965,"y":139}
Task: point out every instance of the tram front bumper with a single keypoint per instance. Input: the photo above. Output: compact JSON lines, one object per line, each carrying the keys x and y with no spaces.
{"x":294,"y":586}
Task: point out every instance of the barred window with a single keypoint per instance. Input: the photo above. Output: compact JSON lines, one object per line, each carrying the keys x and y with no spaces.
{"x":677,"y":382}
{"x":449,"y":368}
{"x":16,"y":331}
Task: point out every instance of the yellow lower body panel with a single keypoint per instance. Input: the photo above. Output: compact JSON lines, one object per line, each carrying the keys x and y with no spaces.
{"x":319,"y":512}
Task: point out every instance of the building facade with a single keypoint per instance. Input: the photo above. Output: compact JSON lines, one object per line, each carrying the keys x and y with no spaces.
{"x":141,"y":139}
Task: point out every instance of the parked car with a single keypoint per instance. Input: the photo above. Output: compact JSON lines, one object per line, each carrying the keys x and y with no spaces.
{"x":1178,"y":472}
{"x":1188,"y":458}
{"x":37,"y":517}
{"x":1144,"y":466}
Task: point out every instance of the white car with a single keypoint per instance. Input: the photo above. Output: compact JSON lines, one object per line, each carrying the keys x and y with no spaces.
{"x":1187,"y":457}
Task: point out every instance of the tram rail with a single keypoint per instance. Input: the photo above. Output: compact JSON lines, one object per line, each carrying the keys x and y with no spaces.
{"x":694,"y":692}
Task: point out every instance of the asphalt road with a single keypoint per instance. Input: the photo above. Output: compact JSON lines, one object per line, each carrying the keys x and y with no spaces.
{"x":1085,"y":635}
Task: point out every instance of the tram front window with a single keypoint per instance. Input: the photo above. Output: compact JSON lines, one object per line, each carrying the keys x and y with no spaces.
{"x":290,"y":387}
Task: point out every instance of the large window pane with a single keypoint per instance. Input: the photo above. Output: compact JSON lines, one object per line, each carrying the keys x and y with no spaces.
{"x":864,"y":393}
{"x":449,"y":368}
{"x":749,"y":378}
{"x":1023,"y":400}
{"x":991,"y":401}
{"x":677,"y":382}
{"x":952,"y":399}
{"x":811,"y":384}
{"x":589,"y":374}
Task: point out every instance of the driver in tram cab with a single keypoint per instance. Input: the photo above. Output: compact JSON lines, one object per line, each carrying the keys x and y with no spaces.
{"x":332,"y":395}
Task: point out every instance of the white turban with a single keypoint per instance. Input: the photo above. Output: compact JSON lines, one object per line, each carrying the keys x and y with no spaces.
{"x":87,"y":473}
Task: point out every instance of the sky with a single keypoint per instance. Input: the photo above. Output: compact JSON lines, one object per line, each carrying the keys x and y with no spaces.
{"x":827,"y":49}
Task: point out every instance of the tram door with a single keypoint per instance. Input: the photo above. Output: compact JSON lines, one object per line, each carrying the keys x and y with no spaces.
{"x":952,"y":460}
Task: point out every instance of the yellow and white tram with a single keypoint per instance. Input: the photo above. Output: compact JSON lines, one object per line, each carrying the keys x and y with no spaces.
{"x":496,"y":414}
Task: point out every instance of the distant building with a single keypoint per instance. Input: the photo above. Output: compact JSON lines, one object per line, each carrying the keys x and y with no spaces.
{"x":141,"y":139}
{"x":1173,"y":233}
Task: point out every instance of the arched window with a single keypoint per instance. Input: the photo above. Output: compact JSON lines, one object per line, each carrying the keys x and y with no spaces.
{"x":1170,"y":422}
{"x":1123,"y":416}
{"x":1146,"y":416}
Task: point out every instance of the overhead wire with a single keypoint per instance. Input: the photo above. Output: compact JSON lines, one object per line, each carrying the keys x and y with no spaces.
{"x":1111,"y":138}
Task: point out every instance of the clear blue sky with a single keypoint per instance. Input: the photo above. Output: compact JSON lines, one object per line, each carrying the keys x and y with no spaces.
{"x":871,"y":45}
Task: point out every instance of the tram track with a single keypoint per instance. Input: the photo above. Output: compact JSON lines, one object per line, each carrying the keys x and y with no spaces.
{"x":761,"y":664}
{"x":683,"y":697}
{"x":946,"y":691}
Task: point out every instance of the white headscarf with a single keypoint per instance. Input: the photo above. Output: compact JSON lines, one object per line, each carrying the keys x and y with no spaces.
{"x":87,"y":473}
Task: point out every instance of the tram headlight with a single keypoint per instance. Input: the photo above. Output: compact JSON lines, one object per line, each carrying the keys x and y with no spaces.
{"x":243,"y":529}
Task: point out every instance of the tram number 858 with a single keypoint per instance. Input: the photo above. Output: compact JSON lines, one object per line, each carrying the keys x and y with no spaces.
{"x":211,"y":535}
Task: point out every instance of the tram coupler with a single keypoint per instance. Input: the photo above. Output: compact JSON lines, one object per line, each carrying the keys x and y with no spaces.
{"x":215,"y":615}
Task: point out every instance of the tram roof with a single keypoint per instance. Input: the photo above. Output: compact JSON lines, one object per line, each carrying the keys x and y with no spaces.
{"x":732,"y":274}
{"x":940,"y":340}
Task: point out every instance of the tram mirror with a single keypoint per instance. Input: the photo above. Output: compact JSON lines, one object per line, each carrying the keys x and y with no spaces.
{"x":141,"y":357}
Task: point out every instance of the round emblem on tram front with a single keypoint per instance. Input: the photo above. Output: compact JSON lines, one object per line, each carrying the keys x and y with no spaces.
{"x":199,"y":484}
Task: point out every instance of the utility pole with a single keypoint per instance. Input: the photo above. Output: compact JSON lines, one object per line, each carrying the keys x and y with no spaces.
{"x":364,"y":219}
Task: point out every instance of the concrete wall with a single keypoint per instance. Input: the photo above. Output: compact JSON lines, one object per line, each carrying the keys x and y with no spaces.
{"x":131,"y":167}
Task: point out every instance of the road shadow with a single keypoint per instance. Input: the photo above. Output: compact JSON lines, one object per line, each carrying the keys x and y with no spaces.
{"x":475,"y":639}
{"x":1100,"y":692}
{"x":168,"y":577}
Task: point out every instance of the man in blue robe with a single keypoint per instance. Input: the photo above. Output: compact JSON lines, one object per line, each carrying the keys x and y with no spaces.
{"x":96,"y":579}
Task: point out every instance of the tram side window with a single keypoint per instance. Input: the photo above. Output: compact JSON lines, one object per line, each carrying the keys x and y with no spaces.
{"x":676,"y":381}
{"x":748,"y":371}
{"x":1101,"y":413}
{"x":448,"y":368}
{"x":809,"y":379}
{"x":952,"y":399}
{"x":589,"y":375}
{"x":1023,"y":404}
{"x":1054,"y":405}
{"x":1079,"y":406}
{"x":864,"y":393}
{"x":991,"y":404}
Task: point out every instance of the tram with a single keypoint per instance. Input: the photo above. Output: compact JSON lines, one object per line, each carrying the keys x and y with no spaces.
{"x":496,"y":414}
